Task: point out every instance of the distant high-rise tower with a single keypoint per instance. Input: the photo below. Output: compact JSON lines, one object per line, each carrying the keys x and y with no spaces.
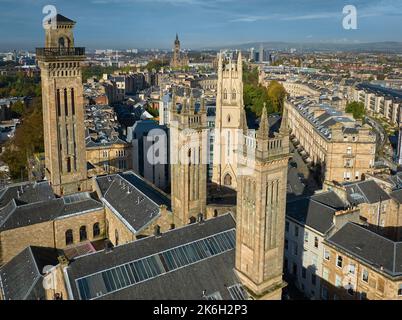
{"x":260,"y":214}
{"x":228,"y":124}
{"x":261,"y":54}
{"x":63,"y":108}
{"x":178,"y":60}
{"x":188,"y":143}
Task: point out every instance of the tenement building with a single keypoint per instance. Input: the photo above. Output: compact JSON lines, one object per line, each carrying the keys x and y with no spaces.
{"x":333,"y":142}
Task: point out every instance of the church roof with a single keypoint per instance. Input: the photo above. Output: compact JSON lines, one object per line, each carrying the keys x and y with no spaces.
{"x":133,"y":200}
{"x":22,"y":277}
{"x":192,"y":262}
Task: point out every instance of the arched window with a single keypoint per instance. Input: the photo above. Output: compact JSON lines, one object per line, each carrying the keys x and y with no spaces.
{"x":116,"y":235}
{"x":96,"y":230}
{"x":228,"y":180}
{"x":234,"y":94}
{"x":69,"y":237}
{"x":225,"y":94}
{"x":83,"y":233}
{"x":62,"y":43}
{"x":229,"y":118}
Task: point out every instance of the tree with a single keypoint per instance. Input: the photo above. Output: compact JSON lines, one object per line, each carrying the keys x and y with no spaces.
{"x":277,"y":94}
{"x":28,"y":140}
{"x":18,"y":109}
{"x":356,"y":108}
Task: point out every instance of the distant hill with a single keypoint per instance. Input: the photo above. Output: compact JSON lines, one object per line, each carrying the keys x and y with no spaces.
{"x":386,"y":47}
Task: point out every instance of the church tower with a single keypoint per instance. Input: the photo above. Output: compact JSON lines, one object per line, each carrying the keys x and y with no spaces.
{"x":228,"y":122}
{"x":188,"y":142}
{"x":260,"y":216}
{"x":63,"y":107}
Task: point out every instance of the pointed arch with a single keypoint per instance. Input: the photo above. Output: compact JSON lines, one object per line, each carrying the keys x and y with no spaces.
{"x":225,"y":94}
{"x":234,"y":94}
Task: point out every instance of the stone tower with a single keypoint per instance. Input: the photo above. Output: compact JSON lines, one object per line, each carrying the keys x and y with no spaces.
{"x":178,"y":60}
{"x":228,"y":123}
{"x":63,"y":108}
{"x":188,"y":142}
{"x":260,"y":217}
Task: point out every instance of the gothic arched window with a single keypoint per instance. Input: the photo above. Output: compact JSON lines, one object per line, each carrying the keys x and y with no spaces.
{"x":62,"y":43}
{"x":225,"y":94}
{"x":228,"y":180}
{"x":96,"y":230}
{"x":69,"y":237}
{"x":234,"y":94}
{"x":83,"y":233}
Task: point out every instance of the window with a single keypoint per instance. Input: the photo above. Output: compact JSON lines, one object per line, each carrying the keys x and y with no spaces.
{"x":313,"y":279}
{"x":324,"y":293}
{"x":304,"y":272}
{"x":365,"y":275}
{"x":83,"y":233}
{"x":338,"y":281}
{"x":350,"y":289}
{"x":296,"y":231}
{"x":96,"y":230}
{"x":314,"y":260}
{"x":58,"y":103}
{"x":325,"y":274}
{"x":69,"y":237}
{"x":339,"y":261}
{"x":363,"y":296}
{"x":228,"y":180}
{"x":349,"y":151}
{"x":352,"y":268}
{"x":295,"y":248}
{"x":316,"y":242}
{"x":72,"y":102}
{"x":225,"y":94}
{"x":287,"y":226}
{"x":234,"y":95}
{"x":65,"y":103}
{"x":305,"y":236}
{"x":327,"y":255}
{"x":294,"y":269}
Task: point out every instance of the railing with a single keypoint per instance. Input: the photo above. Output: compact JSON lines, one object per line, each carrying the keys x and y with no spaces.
{"x":60,"y":52}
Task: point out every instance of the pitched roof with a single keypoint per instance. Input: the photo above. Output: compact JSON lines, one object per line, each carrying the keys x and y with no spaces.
{"x":369,"y":247}
{"x":365,"y":192}
{"x":21,"y":278}
{"x":62,"y":19}
{"x":213,"y":274}
{"x":16,"y":216}
{"x":26,"y":193}
{"x":317,"y":211}
{"x":133,"y":200}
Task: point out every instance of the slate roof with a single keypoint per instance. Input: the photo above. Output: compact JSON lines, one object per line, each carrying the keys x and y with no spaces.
{"x":369,"y":247}
{"x":214,"y":274}
{"x":16,"y":216}
{"x":22,"y":277}
{"x":133,"y":200}
{"x":317,"y":212}
{"x":26,"y":193}
{"x":397,"y":195}
{"x":365,"y":192}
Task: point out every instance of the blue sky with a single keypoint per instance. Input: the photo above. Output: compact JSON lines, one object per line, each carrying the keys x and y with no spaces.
{"x":201,"y":23}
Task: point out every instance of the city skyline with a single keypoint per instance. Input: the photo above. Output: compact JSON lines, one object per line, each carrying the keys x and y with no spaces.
{"x":201,"y":24}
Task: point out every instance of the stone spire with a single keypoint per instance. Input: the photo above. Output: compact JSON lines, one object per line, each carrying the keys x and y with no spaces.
{"x":284,"y":129}
{"x":244,"y":121}
{"x":263,"y":131}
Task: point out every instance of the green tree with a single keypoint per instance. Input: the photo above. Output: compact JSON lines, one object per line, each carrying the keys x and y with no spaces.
{"x":355,"y":108}
{"x":28,"y":140}
{"x":18,"y":109}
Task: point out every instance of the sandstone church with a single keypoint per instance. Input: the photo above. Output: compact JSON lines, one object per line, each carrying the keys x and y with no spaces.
{"x":119,"y":237}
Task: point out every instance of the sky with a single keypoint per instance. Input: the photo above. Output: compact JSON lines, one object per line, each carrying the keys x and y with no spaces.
{"x":118,"y":24}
